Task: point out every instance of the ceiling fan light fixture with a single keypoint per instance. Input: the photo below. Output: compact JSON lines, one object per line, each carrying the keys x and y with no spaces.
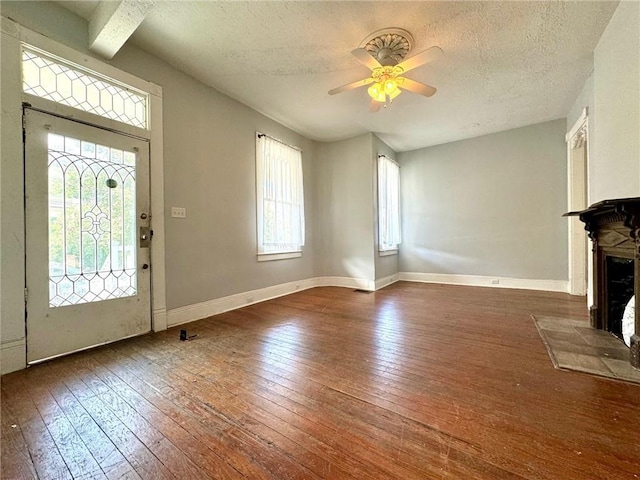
{"x":376,"y":91}
{"x":390,"y":86}
{"x":384,"y":52}
{"x":395,"y":93}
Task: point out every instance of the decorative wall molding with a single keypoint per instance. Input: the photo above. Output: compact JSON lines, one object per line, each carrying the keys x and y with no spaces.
{"x":580,"y":137}
{"x":579,"y":124}
{"x":12,"y":356}
{"x":580,"y":271}
{"x":483,"y":281}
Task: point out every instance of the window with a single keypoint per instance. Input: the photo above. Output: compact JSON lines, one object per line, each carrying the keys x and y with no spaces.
{"x":280,"y":199}
{"x":53,"y":79}
{"x":388,"y":204}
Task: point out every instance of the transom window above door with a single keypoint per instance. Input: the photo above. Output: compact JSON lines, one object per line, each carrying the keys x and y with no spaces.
{"x":48,"y":77}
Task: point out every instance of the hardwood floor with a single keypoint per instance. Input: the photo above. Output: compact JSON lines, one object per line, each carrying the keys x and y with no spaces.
{"x":414,"y":381}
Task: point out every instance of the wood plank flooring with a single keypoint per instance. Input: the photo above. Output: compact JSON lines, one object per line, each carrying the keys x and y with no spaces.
{"x":414,"y":381}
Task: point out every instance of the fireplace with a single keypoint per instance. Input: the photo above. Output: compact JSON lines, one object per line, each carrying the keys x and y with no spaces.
{"x":619,"y":291}
{"x":614,"y":228}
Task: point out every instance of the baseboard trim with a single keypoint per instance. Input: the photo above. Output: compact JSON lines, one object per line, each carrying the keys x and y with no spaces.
{"x":386,"y":281}
{"x":198,"y":311}
{"x":13,"y":356}
{"x":159,"y":319}
{"x":484,"y":281}
{"x":346,"y":282}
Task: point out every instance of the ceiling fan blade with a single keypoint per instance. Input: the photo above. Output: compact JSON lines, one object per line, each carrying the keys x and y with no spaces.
{"x":351,"y":86}
{"x":427,"y":56}
{"x":415,"y":87}
{"x":365,"y":58}
{"x":374,"y":106}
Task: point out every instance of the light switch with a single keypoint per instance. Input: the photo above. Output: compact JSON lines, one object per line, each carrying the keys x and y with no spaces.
{"x":178,"y":212}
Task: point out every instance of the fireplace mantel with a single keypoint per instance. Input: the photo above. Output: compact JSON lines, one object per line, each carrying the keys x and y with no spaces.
{"x":614,"y":228}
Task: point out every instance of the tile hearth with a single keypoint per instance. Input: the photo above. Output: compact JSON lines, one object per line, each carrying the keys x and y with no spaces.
{"x":574,"y":345}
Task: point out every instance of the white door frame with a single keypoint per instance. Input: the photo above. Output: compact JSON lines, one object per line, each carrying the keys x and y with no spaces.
{"x":13,"y":345}
{"x":577,"y":178}
{"x":78,"y":325}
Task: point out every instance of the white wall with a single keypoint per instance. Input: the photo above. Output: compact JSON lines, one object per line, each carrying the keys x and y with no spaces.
{"x":49,"y":19}
{"x":488,"y":206}
{"x":615,"y":156}
{"x":612,"y":97}
{"x":342,"y":174}
{"x":209,"y":154}
{"x":584,"y":100}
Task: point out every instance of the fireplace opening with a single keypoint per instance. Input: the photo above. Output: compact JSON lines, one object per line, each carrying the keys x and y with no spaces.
{"x":614,"y":227}
{"x":620,"y":288}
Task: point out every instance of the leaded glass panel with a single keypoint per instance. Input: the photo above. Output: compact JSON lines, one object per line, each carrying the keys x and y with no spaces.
{"x":47,"y":78}
{"x":92,"y":222}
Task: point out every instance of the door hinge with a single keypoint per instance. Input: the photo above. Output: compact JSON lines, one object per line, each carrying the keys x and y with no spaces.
{"x":24,"y":115}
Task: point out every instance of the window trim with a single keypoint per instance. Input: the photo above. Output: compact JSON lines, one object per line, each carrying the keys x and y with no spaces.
{"x":265,"y":256}
{"x":392,"y":249}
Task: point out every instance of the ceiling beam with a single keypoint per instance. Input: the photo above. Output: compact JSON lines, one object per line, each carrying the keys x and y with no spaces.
{"x":113,"y":22}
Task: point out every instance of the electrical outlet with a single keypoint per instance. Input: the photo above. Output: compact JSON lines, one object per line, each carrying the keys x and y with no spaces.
{"x":495,"y":281}
{"x":178,"y":212}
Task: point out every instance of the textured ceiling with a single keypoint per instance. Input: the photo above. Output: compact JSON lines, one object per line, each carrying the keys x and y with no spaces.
{"x":505,"y":64}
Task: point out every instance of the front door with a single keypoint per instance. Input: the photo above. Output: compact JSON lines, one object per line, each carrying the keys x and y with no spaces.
{"x":87,"y":236}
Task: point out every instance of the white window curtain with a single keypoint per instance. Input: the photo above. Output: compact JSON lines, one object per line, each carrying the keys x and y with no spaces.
{"x":280,"y":196}
{"x":388,"y":204}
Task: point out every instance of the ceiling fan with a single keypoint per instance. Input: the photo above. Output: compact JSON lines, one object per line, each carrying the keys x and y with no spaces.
{"x":384,"y":52}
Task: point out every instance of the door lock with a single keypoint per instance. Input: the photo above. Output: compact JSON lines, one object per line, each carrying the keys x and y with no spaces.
{"x":145,"y":237}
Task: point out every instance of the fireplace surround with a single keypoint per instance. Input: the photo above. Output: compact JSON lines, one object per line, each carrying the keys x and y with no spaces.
{"x":614,"y":228}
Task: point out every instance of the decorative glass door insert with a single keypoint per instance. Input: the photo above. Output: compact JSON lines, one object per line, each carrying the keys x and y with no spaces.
{"x":92,"y":221}
{"x":87,"y":227}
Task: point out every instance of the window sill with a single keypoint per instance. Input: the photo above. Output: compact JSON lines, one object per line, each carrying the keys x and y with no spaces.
{"x":384,"y":253}
{"x":267,"y":257}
